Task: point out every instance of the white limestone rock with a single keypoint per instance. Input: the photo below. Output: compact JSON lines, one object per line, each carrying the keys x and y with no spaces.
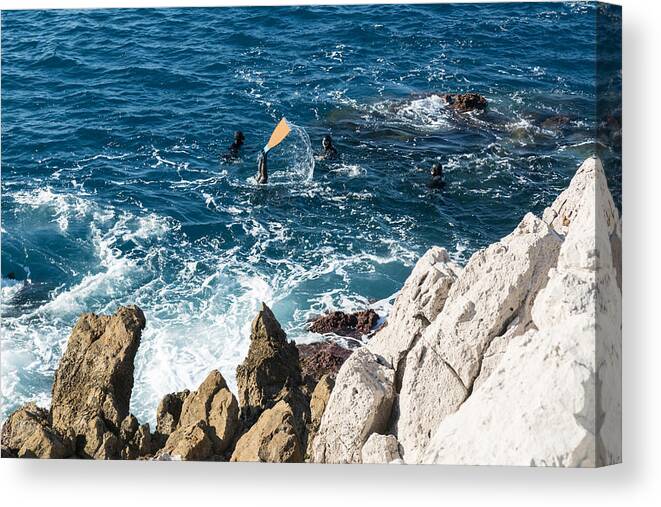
{"x":381,"y":449}
{"x":419,"y":302}
{"x":431,"y":390}
{"x":557,"y":388}
{"x":359,"y":405}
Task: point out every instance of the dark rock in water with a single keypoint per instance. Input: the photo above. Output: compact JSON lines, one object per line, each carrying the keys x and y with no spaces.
{"x":321,"y":358}
{"x":464,"y":102}
{"x":556,"y":122}
{"x":272,"y":362}
{"x":27,"y":434}
{"x":94,"y":379}
{"x":353,"y":325}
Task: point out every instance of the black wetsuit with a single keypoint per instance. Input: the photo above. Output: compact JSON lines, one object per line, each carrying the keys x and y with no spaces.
{"x":262,"y":174}
{"x":329,"y":153}
{"x":436,"y":182}
{"x":233,"y":151}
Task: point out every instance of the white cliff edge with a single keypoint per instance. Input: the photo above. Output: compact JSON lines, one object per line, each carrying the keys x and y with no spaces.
{"x":513,"y":360}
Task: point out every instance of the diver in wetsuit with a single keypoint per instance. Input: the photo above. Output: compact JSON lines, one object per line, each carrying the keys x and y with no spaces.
{"x":328,"y":150}
{"x":262,"y":173}
{"x":436,"y":176}
{"x":233,"y":150}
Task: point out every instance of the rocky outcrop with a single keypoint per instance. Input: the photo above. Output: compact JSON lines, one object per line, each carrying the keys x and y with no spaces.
{"x":273,"y":438}
{"x":321,"y":358}
{"x":354,"y":325}
{"x":212,"y":409}
{"x":518,"y":360}
{"x":93,"y":382}
{"x":464,"y":102}
{"x":91,"y":394}
{"x":27,"y":434}
{"x":555,"y":396}
{"x":272,"y":362}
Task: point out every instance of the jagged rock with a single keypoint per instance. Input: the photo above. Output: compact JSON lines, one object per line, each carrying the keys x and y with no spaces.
{"x":169,"y":412}
{"x":27,"y":434}
{"x":272,"y":362}
{"x":137,"y":440}
{"x":419,"y":302}
{"x":94,"y":379}
{"x":299,"y":403}
{"x":189,"y":443}
{"x":318,"y":402}
{"x":272,"y":439}
{"x":128,"y":427}
{"x":353,"y":325}
{"x":464,"y":102}
{"x":380,"y":449}
{"x":213,"y":408}
{"x":321,"y":358}
{"x":555,"y":396}
{"x":359,"y":405}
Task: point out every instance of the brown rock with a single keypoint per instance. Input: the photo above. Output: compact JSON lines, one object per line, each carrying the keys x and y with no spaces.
{"x":27,"y":434}
{"x":212,"y":408}
{"x":318,"y":402}
{"x":321,"y":358}
{"x":464,"y":102}
{"x":216,"y":406}
{"x":273,"y":439}
{"x":556,"y":122}
{"x":353,"y":325}
{"x":94,"y":379}
{"x":169,"y":412}
{"x":190,"y":443}
{"x":271,"y":363}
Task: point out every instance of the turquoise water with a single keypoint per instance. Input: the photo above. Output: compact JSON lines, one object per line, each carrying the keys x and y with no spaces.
{"x":114,"y":123}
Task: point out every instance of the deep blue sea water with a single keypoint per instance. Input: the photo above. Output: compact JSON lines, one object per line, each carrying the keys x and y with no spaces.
{"x":114,"y":123}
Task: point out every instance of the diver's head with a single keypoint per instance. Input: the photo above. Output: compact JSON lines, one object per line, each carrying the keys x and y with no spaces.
{"x":11,"y":276}
{"x":326,"y":142}
{"x":437,"y":169}
{"x":239,"y":137}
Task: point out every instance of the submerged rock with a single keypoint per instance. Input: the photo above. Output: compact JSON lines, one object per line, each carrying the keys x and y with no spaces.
{"x":464,"y":102}
{"x":272,"y":362}
{"x":353,"y":325}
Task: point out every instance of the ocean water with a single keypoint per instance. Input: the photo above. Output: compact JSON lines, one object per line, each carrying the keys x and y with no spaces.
{"x":114,"y":123}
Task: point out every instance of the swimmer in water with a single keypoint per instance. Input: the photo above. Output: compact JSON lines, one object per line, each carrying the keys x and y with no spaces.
{"x":328,"y":150}
{"x":11,"y":276}
{"x":262,"y":173}
{"x":233,"y":150}
{"x":436,"y":176}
